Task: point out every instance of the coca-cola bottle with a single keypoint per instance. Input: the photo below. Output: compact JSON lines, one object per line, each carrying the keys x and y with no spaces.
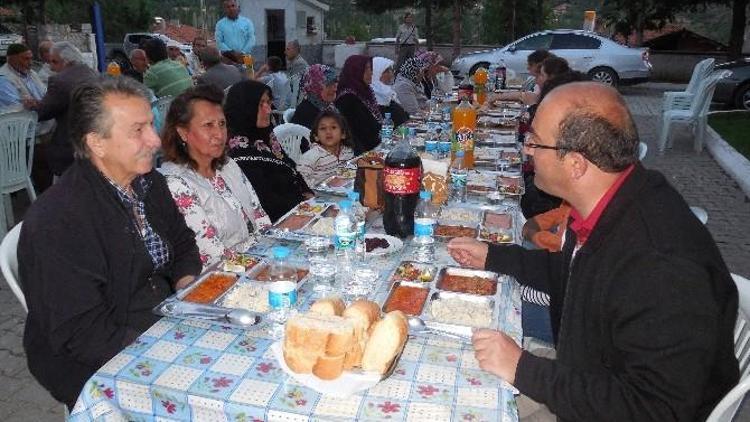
{"x":402,"y":178}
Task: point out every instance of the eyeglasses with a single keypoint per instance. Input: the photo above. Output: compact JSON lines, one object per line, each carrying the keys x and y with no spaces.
{"x":533,"y":145}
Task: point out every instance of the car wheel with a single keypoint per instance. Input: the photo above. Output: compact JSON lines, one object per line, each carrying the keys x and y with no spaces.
{"x":604,"y":75}
{"x":742,"y":97}
{"x":477,"y":66}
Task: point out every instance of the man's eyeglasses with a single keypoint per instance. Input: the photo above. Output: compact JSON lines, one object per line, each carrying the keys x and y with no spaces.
{"x":528,"y":143}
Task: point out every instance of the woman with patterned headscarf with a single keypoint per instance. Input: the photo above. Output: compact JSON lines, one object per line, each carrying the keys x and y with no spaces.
{"x":357,"y":103}
{"x":433,"y":60}
{"x":408,"y":85}
{"x":319,"y":85}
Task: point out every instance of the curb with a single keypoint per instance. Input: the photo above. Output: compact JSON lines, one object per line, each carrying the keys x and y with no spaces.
{"x":734,"y":163}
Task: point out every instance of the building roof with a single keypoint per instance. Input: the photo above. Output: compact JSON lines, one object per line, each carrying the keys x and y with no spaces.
{"x":183,"y":33}
{"x":318,"y":4}
{"x":684,"y":40}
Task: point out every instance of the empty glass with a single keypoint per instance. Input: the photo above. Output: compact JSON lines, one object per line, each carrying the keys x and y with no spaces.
{"x":362,"y":284}
{"x":323,"y":275}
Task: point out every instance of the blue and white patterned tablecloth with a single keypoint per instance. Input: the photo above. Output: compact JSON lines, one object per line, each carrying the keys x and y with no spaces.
{"x":191,"y":370}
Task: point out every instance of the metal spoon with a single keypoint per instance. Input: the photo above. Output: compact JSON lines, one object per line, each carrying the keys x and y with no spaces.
{"x":417,"y":326}
{"x":234,"y":316}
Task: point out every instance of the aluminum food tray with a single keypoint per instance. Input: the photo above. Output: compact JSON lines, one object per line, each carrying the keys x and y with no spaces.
{"x":435,"y":293}
{"x":485,"y":228}
{"x":300,"y":234}
{"x":325,"y":188}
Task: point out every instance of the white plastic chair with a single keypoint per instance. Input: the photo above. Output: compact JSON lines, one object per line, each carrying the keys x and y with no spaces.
{"x":725,"y":410}
{"x":642,"y":150}
{"x":696,"y":115}
{"x":9,"y":263}
{"x":16,"y":156}
{"x":290,"y":136}
{"x":288,"y":114}
{"x":681,"y":100}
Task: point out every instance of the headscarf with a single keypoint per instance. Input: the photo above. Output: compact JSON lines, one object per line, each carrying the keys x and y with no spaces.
{"x":430,"y":57}
{"x":241,"y":111}
{"x":384,"y":93}
{"x":352,"y":82}
{"x":412,"y":69}
{"x":317,"y":77}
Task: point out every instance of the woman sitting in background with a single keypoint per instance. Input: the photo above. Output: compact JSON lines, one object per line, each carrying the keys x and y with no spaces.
{"x":433,"y":60}
{"x":217,"y":200}
{"x":408,"y":85}
{"x":382,"y":86}
{"x":272,"y":75}
{"x":357,"y":103}
{"x":319,"y":84}
{"x":529,"y":93}
{"x":330,"y":149}
{"x":257,"y":151}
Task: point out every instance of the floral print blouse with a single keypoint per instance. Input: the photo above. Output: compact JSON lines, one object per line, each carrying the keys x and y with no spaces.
{"x":224,"y":211}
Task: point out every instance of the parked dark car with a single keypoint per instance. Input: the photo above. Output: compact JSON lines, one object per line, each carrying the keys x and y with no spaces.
{"x":734,"y":90}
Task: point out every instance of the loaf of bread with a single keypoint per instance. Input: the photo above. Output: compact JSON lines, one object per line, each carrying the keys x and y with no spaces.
{"x":332,"y":305}
{"x":387,"y":338}
{"x":362,"y":313}
{"x":316,"y":343}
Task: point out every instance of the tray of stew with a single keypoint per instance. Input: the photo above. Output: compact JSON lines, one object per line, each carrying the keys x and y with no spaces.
{"x":406,"y":297}
{"x":296,"y":224}
{"x":463,"y":280}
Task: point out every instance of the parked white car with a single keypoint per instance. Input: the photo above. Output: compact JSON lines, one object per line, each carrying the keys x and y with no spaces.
{"x":602,"y":59}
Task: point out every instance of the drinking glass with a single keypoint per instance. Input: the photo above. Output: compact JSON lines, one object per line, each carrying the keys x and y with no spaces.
{"x":317,"y":248}
{"x":323,"y":274}
{"x":362,"y":284}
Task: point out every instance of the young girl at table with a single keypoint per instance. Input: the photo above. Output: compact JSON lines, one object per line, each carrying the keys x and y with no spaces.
{"x":330,"y":149}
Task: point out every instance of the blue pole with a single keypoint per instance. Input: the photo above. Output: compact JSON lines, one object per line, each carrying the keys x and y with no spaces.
{"x":98,"y":25}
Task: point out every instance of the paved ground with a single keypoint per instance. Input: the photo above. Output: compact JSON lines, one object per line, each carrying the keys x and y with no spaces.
{"x":697,"y":176}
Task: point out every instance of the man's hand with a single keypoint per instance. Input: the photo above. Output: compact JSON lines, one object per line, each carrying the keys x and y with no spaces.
{"x":468,"y":252}
{"x":183,"y":282}
{"x":497,"y":353}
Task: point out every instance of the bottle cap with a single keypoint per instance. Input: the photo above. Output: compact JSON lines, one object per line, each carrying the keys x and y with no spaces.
{"x":353,"y":196}
{"x":280,"y":252}
{"x":425,"y":194}
{"x":345,"y":204}
{"x":387,"y":115}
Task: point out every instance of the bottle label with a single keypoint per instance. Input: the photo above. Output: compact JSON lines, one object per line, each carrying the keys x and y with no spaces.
{"x":465,"y":139}
{"x":402,"y":181}
{"x":424,"y":226}
{"x":458,"y":180}
{"x":386,"y":132}
{"x":282,"y":294}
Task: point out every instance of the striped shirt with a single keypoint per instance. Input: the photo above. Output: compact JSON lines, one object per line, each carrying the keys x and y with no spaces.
{"x":317,"y":164}
{"x":167,"y":77}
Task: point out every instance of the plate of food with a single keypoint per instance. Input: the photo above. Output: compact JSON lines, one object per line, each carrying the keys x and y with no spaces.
{"x":339,"y":350}
{"x":377,"y":244}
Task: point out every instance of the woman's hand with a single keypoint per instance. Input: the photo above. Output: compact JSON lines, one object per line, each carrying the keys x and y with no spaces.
{"x":468,"y":252}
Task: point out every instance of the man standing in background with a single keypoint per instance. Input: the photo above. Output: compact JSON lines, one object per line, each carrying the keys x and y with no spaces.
{"x":296,"y":65}
{"x":138,"y":65}
{"x":235,"y":34}
{"x":407,"y":39}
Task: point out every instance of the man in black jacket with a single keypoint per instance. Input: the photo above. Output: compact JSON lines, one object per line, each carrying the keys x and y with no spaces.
{"x":104,"y":245}
{"x":642,"y":305}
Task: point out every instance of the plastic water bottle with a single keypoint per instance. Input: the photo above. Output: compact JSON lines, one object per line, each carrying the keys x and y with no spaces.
{"x":444,"y":141}
{"x":345,"y":227}
{"x":492,"y":72}
{"x":282,"y":290}
{"x":360,"y":216}
{"x":459,"y":176}
{"x":425,"y":218}
{"x":386,"y":130}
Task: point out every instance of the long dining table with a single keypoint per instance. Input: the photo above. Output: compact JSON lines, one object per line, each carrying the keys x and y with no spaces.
{"x":183,"y":369}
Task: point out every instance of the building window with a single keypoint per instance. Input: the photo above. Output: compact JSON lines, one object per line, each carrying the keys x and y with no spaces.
{"x":312,"y":29}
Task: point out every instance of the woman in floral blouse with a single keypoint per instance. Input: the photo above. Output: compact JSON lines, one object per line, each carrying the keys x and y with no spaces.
{"x":218,"y":202}
{"x":257,"y":151}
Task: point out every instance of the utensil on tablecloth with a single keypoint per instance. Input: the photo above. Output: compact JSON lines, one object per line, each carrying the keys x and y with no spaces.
{"x":418,"y":326}
{"x":234,"y":316}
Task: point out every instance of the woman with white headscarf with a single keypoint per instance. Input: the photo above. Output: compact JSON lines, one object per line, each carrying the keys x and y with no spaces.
{"x":382,"y":85}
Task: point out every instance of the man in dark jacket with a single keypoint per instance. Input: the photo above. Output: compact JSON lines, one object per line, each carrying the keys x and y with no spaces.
{"x":642,"y":305}
{"x":104,"y":245}
{"x":71,"y":71}
{"x":217,"y":73}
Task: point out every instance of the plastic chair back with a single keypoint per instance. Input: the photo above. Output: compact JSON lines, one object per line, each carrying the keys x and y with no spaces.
{"x":701,"y":71}
{"x":642,"y":150}
{"x":16,"y":149}
{"x":290,"y":137}
{"x":726,"y":409}
{"x":705,"y":92}
{"x":9,"y":263}
{"x":288,"y":114}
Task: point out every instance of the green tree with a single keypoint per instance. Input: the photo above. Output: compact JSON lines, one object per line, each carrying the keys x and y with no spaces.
{"x":508,"y":20}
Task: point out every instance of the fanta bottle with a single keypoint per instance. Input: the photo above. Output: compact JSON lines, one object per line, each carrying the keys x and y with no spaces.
{"x":464,"y":126}
{"x":113,"y":69}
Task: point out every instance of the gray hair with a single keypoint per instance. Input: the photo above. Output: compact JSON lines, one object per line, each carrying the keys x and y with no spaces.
{"x":210,"y":56}
{"x":68,"y":52}
{"x":136,"y":50}
{"x":295,"y":44}
{"x":610,"y":146}
{"x":92,"y":116}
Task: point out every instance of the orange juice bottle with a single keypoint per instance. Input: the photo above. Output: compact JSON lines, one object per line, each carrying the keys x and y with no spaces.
{"x":249,"y":61}
{"x":481,"y":76}
{"x":464,"y":125}
{"x":113,"y":69}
